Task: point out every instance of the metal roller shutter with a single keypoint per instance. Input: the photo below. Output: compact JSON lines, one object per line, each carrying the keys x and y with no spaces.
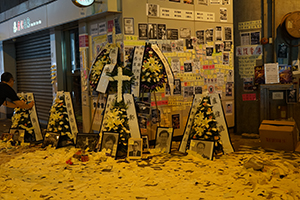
{"x":33,"y":58}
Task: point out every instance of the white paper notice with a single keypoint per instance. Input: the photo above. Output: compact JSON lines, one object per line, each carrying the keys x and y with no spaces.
{"x":245,"y":39}
{"x":197,"y":99}
{"x":271,"y":73}
{"x":205,"y":16}
{"x":132,"y":117}
{"x":188,"y":15}
{"x":104,"y":79}
{"x":102,"y":28}
{"x":220,"y":79}
{"x":94,"y":29}
{"x":166,"y":13}
{"x":136,"y":69}
{"x":71,"y":115}
{"x":34,"y":119}
{"x":178,"y":14}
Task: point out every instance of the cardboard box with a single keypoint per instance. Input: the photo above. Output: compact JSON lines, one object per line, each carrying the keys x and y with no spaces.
{"x":280,"y":135}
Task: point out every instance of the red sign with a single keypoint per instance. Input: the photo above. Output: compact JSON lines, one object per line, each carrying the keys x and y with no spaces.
{"x":110,"y":25}
{"x":83,"y":40}
{"x":249,"y":97}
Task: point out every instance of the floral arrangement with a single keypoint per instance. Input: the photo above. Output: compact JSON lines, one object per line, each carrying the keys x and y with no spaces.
{"x":21,"y":119}
{"x":97,"y":67}
{"x":101,"y":60}
{"x":153,"y":74}
{"x":205,"y":126}
{"x":116,"y":120}
{"x":59,"y":121}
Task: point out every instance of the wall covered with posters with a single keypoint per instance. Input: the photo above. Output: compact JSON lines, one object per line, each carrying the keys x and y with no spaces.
{"x":261,"y":42}
{"x":196,"y":37}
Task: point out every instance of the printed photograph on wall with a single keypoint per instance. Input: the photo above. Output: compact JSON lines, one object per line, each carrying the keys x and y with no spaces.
{"x":189,"y":44}
{"x":175,"y":65}
{"x":219,"y":47}
{"x":259,"y":75}
{"x":152,"y":31}
{"x":200,"y":37}
{"x":161,"y":32}
{"x":228,"y":33}
{"x":223,"y":14}
{"x":248,"y":84}
{"x":209,"y":35}
{"x":179,"y":45}
{"x":229,"y":88}
{"x":128,"y":26}
{"x":285,"y":74}
{"x":218,"y":33}
{"x":227,"y":45}
{"x":188,"y":91}
{"x":152,"y":10}
{"x":185,"y":33}
{"x":255,"y":37}
{"x":177,"y":86}
{"x":143,"y":31}
{"x":172,"y":34}
{"x":188,"y":66}
{"x":209,"y":51}
{"x":198,"y":89}
{"x":166,"y":47}
{"x":225,"y":58}
{"x":228,"y":108}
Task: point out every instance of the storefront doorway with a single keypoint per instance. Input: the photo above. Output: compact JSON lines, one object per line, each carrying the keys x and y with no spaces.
{"x":71,"y":70}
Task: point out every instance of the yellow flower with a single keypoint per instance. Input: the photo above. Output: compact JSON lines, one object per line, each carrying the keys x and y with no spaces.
{"x":98,"y":67}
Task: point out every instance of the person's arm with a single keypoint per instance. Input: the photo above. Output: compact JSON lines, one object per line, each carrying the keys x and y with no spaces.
{"x":18,"y":104}
{"x":9,"y":104}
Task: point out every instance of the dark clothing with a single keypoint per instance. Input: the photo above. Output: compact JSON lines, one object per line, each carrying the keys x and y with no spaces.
{"x":7,"y":92}
{"x":138,"y":153}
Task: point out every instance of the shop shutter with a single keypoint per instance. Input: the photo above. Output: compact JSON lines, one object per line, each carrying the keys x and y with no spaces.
{"x":33,"y":58}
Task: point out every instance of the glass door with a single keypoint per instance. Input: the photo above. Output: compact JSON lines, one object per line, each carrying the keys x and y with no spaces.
{"x":71,"y":68}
